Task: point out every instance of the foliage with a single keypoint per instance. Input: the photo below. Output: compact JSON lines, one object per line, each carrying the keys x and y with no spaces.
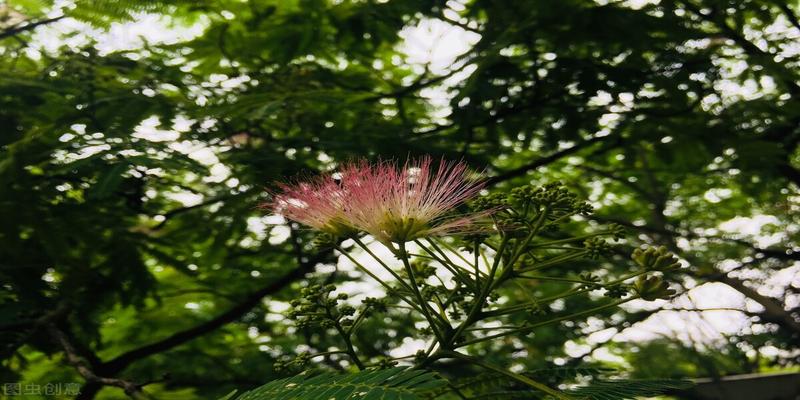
{"x":464,"y":312}
{"x":393,"y":383}
{"x":626,"y":389}
{"x":676,"y":118}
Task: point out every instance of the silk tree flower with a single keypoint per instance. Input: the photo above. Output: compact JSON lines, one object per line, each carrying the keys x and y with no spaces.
{"x":402,"y":204}
{"x":318,"y":203}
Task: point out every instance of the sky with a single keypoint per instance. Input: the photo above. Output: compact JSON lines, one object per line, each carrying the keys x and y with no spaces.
{"x":438,"y":44}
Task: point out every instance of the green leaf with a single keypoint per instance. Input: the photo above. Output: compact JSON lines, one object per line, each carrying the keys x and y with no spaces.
{"x":393,"y":383}
{"x":108,"y":181}
{"x":621,"y":389}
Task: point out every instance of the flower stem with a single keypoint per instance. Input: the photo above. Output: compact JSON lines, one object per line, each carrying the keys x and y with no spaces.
{"x":556,"y":279}
{"x":517,"y":377}
{"x":555,"y":260}
{"x":364,"y":269}
{"x":445,"y":263}
{"x":479,"y":300}
{"x":529,"y":328}
{"x":351,"y":351}
{"x":568,"y":293}
{"x":358,"y":320}
{"x":570,"y":240}
{"x":383,"y":264}
{"x":401,"y":253}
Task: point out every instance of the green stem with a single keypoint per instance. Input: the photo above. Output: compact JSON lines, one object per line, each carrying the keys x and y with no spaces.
{"x":364,"y":269}
{"x":569,"y":293}
{"x":570,"y":240}
{"x":327,"y":353}
{"x":476,"y":249}
{"x":556,"y":279}
{"x":519,"y":249}
{"x":358,"y":320}
{"x":351,"y":351}
{"x":555,"y":260}
{"x":517,"y":377}
{"x":424,"y":307}
{"x":449,"y":248}
{"x":445,"y":263}
{"x":479,"y":300}
{"x":383,"y":264}
{"x":529,"y":328}
{"x":493,"y":328}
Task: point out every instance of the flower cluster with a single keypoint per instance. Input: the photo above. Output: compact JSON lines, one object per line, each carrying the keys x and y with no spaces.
{"x":391,"y":203}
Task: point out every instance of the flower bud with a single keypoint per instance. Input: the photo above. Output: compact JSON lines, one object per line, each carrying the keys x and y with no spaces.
{"x":655,"y":259}
{"x":653,"y":288}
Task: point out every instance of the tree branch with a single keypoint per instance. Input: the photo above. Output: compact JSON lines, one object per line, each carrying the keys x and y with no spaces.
{"x":542,"y":161}
{"x":29,"y":26}
{"x":120,"y":362}
{"x":767,"y":59}
{"x":84,"y":368}
{"x":787,"y":11}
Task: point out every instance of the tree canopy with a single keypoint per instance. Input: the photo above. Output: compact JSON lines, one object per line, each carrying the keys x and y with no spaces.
{"x":132,"y":244}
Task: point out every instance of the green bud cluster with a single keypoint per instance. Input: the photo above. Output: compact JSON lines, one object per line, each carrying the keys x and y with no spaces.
{"x":385,"y":363}
{"x":557,"y":198}
{"x":653,"y":288}
{"x":536,"y":310}
{"x":589,"y":277}
{"x":317,"y":307}
{"x":426,"y":331}
{"x":462,"y":304}
{"x":324,"y":241}
{"x":618,"y":231}
{"x":293,"y":365}
{"x":469,"y":239}
{"x":655,"y":259}
{"x":422,"y":269}
{"x":373,"y":304}
{"x":596,"y":247}
{"x":525,"y":205}
{"x":420,"y":356}
{"x":493,"y":201}
{"x":617,"y":291}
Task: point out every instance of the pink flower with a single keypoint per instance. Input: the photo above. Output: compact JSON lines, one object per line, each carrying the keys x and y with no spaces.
{"x":318,"y":203}
{"x":390,"y":203}
{"x":402,"y":204}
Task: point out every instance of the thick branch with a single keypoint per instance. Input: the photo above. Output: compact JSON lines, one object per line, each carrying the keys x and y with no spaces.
{"x":542,"y":161}
{"x":84,"y":368}
{"x":767,"y":59}
{"x":773,"y":309}
{"x":119,"y":363}
{"x":29,"y":26}
{"x":790,"y":15}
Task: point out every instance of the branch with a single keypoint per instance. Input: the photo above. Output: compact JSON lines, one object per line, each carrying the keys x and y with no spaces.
{"x":542,"y":161}
{"x":120,"y":362}
{"x":767,"y":59}
{"x":84,"y":368}
{"x":29,"y":26}
{"x":171,"y":213}
{"x":769,"y":252}
{"x":773,"y":309}
{"x":787,"y":11}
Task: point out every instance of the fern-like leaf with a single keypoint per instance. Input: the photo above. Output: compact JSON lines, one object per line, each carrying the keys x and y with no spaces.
{"x":490,"y":386}
{"x":485,"y":384}
{"x":393,"y":383}
{"x":623,"y":389}
{"x":560,"y":374}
